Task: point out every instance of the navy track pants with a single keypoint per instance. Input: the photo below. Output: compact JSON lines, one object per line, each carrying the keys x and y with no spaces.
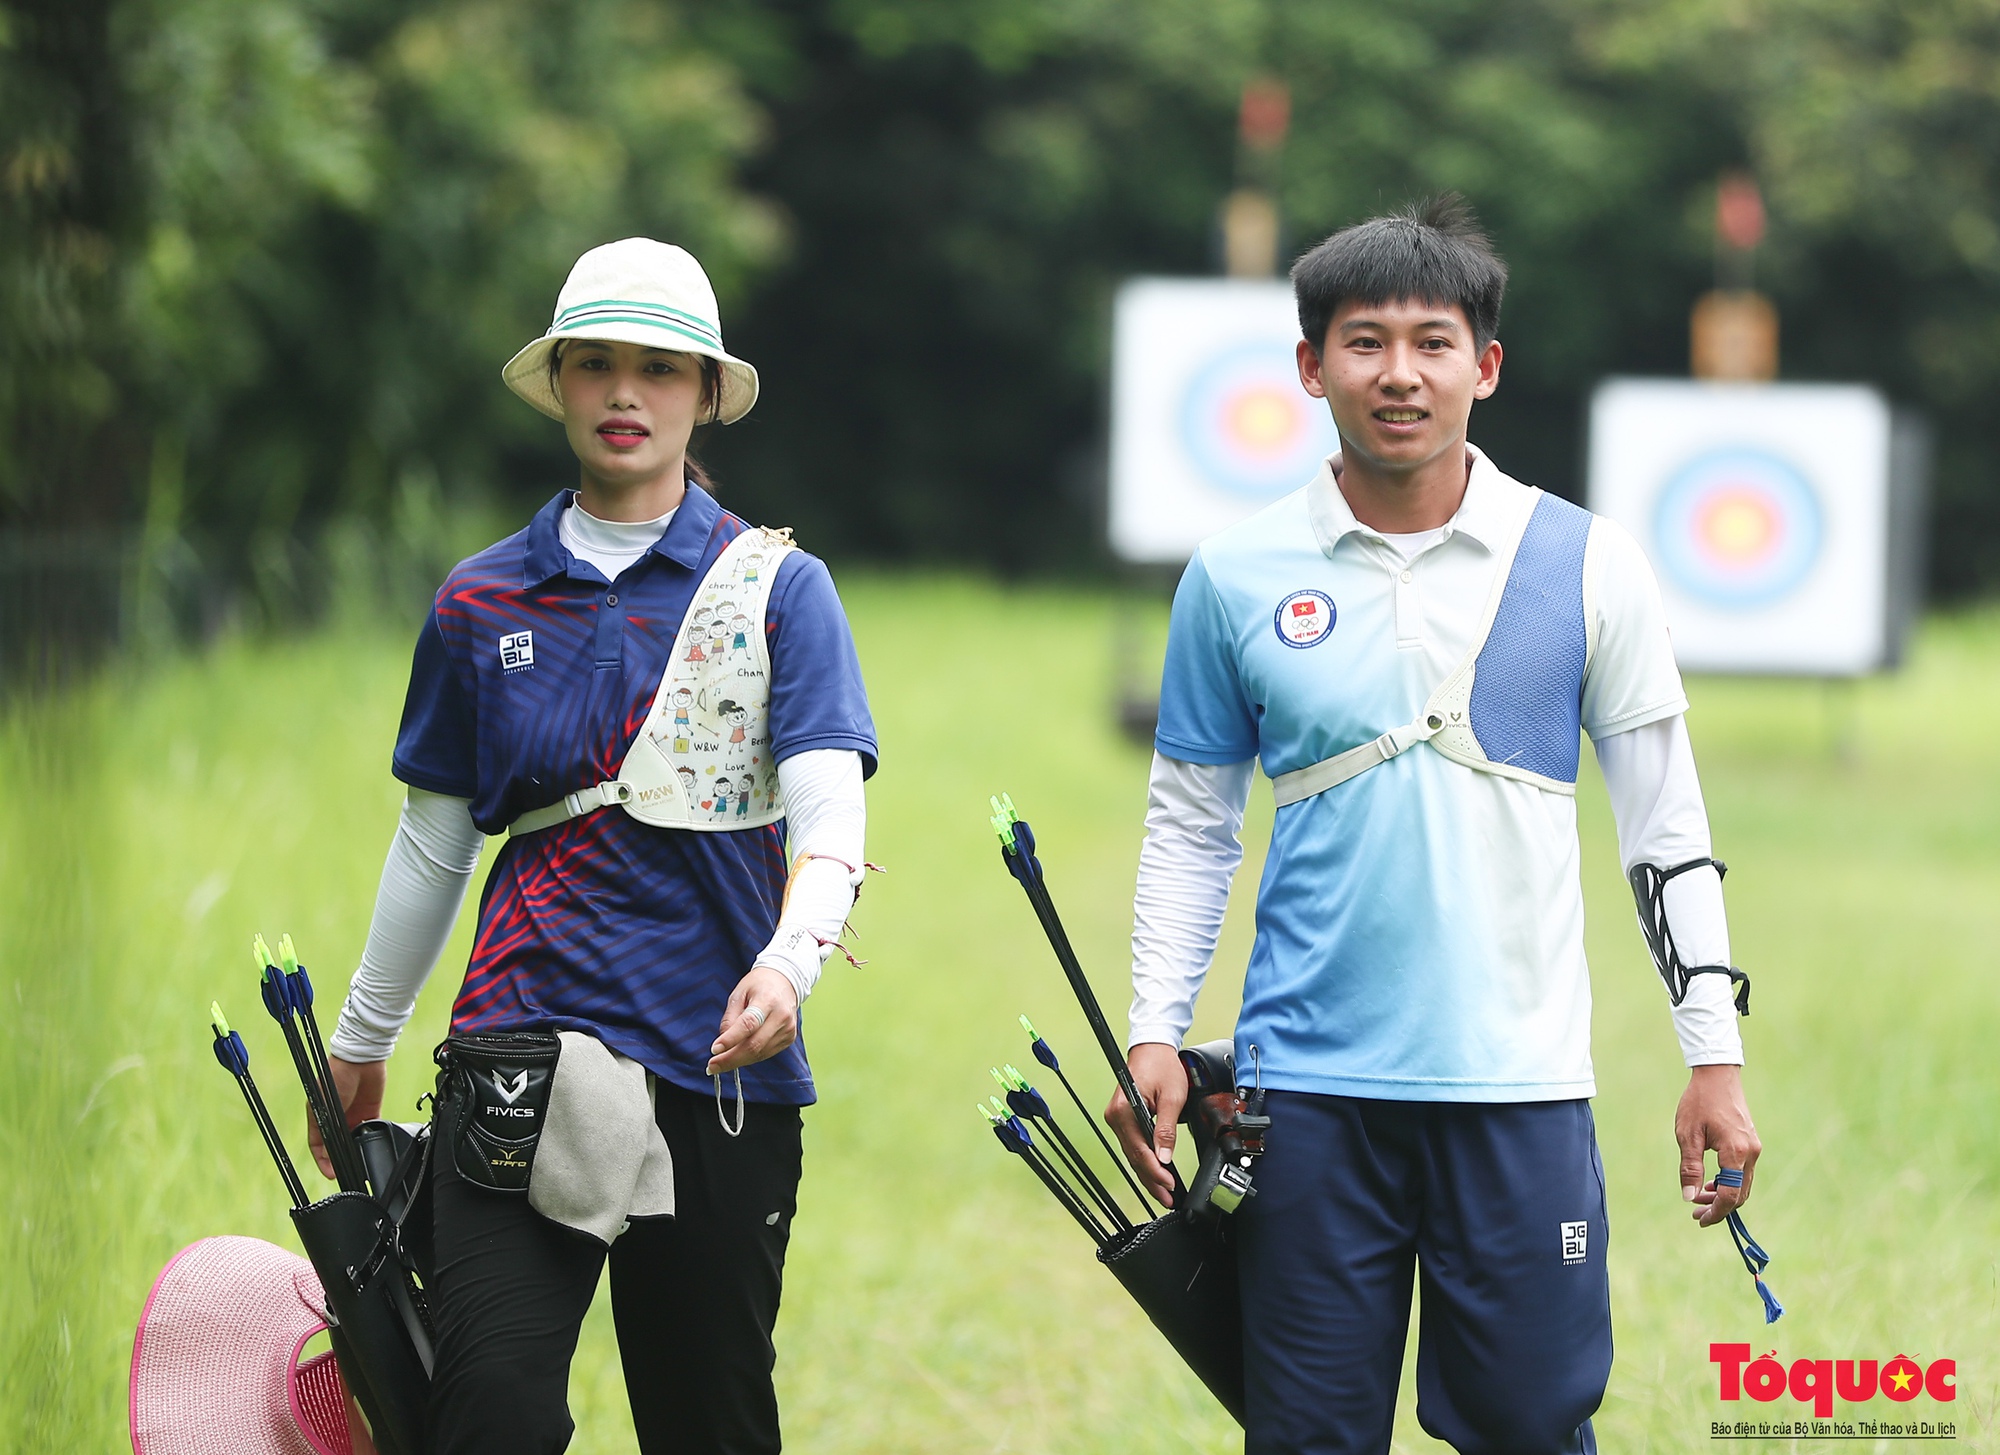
{"x":1500,"y":1208}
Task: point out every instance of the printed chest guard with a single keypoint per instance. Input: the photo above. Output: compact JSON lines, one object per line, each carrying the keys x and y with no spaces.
{"x":1514,"y":705}
{"x":702,"y":760}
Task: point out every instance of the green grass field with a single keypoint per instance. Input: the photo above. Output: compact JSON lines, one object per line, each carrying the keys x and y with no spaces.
{"x":935,"y":1300}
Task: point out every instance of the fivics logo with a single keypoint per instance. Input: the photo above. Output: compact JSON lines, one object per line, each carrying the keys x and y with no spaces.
{"x":1819,"y":1381}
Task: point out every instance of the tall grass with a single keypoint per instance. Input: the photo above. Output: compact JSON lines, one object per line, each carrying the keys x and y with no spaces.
{"x":935,"y":1301}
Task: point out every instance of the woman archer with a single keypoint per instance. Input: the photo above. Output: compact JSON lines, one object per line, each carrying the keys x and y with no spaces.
{"x":618,"y":909}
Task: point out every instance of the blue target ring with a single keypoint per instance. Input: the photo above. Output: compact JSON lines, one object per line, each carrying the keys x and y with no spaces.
{"x":1249,"y":427}
{"x":1738,"y":527}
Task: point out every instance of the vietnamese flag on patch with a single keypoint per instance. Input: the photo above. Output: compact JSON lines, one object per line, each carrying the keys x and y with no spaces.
{"x":1305,"y":608}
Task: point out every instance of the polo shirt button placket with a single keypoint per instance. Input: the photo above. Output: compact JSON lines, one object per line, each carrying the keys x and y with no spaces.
{"x":610,"y":634}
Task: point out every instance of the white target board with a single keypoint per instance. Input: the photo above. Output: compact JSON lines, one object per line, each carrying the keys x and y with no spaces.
{"x":1208,"y":420}
{"x":1766,"y":512}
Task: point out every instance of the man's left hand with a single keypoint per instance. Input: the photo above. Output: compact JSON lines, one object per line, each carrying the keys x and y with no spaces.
{"x":762,"y":1018}
{"x":1714,"y":1116}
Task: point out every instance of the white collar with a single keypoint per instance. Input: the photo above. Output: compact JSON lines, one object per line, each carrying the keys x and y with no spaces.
{"x":1481,"y":515}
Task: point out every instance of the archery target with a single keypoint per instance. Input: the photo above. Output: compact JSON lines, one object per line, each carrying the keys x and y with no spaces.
{"x":1248,"y":426}
{"x":1738,"y":527}
{"x":1209,"y":421}
{"x":1764,"y":509}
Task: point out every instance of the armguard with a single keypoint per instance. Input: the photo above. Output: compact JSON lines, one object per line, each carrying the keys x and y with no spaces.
{"x":1649,"y":883}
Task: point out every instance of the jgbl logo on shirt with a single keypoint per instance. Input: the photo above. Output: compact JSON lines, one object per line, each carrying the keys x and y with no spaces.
{"x":1304,"y":618}
{"x":1576,"y":1242}
{"x":517,"y":650}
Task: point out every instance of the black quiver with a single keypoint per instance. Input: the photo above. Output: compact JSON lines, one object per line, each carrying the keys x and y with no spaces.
{"x":1183,"y":1274}
{"x":378,"y":1321}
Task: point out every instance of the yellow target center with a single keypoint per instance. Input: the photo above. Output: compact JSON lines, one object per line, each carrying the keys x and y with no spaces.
{"x":1262,"y":421}
{"x":1739,"y":527}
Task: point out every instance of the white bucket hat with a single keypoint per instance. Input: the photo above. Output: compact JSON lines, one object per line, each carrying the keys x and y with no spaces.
{"x":635,"y":291}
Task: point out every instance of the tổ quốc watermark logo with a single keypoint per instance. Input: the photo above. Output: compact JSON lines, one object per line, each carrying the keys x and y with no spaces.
{"x":1910,"y":1387}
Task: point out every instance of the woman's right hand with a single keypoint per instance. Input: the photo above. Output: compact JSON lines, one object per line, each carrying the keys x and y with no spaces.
{"x":360,"y":1084}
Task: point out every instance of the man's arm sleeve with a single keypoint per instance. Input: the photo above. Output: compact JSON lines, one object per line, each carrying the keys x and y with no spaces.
{"x":1656,"y":798}
{"x":1632,"y":678}
{"x":1205,"y":715}
{"x":1194,"y":821}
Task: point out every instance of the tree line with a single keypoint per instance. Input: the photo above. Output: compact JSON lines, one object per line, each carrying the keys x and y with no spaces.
{"x":260,"y":262}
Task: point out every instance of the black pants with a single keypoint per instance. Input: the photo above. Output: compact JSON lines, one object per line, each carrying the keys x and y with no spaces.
{"x":695,"y":1298}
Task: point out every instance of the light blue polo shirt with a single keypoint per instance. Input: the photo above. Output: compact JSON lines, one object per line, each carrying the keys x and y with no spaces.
{"x":1419,"y":927}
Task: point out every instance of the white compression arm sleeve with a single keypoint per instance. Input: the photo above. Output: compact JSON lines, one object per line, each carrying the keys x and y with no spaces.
{"x":1194,"y":824}
{"x":826,"y":818}
{"x":1656,"y":798}
{"x":430,"y":863}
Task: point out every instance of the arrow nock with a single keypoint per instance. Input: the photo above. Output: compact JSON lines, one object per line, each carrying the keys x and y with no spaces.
{"x":1003,"y":820}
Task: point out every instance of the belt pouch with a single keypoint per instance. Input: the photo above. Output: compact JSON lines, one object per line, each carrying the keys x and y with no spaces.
{"x":493,"y":1095}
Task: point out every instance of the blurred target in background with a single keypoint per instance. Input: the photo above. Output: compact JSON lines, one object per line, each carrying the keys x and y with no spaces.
{"x":1209,"y":422}
{"x":1738,"y":527}
{"x":1248,"y":425}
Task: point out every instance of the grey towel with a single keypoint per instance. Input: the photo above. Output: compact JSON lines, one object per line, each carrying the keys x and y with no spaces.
{"x":601,"y":1160}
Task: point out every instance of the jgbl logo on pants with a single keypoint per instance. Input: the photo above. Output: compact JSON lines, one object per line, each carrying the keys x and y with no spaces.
{"x":1576,"y":1242}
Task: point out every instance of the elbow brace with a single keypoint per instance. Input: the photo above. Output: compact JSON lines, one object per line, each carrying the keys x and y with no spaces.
{"x":1649,"y":883}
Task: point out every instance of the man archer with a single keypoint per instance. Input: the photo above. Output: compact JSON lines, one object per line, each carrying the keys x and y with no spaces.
{"x":1411,"y":647}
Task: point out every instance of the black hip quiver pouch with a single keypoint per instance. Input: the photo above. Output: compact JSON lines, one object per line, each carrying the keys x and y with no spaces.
{"x":1183,"y":1274}
{"x":493,"y":1101}
{"x":378,"y":1317}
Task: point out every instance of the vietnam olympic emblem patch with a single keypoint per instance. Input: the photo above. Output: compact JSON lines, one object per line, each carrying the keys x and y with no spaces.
{"x":1304,"y":618}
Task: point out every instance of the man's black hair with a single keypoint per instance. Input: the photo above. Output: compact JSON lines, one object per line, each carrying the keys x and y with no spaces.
{"x":1432,"y":251}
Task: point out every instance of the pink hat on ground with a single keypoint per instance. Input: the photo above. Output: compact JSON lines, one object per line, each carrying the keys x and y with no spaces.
{"x":215,"y":1362}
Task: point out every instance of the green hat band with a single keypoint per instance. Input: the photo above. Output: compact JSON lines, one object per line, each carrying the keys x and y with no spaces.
{"x":655,"y":315}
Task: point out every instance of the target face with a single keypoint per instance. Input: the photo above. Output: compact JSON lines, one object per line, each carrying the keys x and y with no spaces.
{"x":1738,"y":527}
{"x":1249,"y":427}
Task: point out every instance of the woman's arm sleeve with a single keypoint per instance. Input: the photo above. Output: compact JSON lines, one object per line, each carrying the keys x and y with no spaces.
{"x":1194,"y":823}
{"x":826,"y":818}
{"x":1656,"y":798}
{"x":430,"y":863}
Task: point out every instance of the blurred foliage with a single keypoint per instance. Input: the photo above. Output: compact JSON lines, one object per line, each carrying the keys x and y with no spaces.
{"x":259,"y":263}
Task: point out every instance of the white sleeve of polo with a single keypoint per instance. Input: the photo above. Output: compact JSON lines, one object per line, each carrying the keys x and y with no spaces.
{"x":826,"y":818}
{"x":1194,"y":823}
{"x":430,"y":863}
{"x":1656,"y":798}
{"x":1632,"y":678}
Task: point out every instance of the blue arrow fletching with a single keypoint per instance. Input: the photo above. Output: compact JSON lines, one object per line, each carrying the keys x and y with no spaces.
{"x":1045,"y":1055}
{"x":276,"y":1001}
{"x":1020,"y":1104}
{"x":301,"y":988}
{"x":231,"y":1055}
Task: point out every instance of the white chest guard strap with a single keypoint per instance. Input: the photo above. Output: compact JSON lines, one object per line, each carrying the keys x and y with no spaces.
{"x":702,"y":760}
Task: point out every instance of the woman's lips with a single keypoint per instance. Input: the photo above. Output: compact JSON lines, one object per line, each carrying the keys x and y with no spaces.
{"x":622,"y":437}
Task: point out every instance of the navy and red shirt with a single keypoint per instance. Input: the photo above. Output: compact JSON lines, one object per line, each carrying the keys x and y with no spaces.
{"x":531,"y":679}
